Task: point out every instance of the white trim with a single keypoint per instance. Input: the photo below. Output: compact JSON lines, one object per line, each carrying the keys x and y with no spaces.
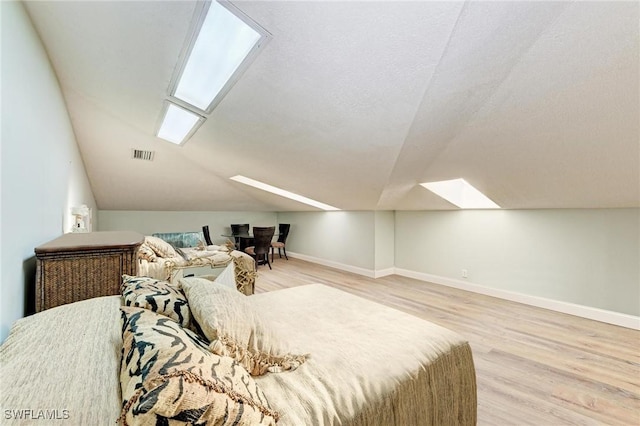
{"x":384,"y":272}
{"x":597,"y":314}
{"x":602,"y":315}
{"x":344,"y":267}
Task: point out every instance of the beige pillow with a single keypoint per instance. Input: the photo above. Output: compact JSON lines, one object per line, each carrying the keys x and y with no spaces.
{"x":235,"y":329}
{"x":145,"y":252}
{"x":168,"y":376}
{"x":160,"y":247}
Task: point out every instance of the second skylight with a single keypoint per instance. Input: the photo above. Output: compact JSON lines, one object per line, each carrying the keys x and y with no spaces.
{"x":177,"y":124}
{"x":461,"y":193}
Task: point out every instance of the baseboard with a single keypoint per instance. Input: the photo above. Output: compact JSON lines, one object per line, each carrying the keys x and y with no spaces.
{"x":337,"y":265}
{"x":602,"y":315}
{"x":384,"y":272}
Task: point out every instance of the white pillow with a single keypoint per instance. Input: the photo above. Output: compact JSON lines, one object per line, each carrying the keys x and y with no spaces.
{"x":227,"y":277}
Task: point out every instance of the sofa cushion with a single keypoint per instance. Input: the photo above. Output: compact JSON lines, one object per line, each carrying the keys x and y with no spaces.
{"x":160,"y":247}
{"x":234,"y":328}
{"x":168,"y":376}
{"x":156,"y":295}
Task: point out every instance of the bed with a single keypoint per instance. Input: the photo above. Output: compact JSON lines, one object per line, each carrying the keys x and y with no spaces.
{"x":367,"y":364}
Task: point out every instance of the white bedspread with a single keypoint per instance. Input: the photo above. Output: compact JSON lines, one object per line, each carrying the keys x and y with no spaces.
{"x":369,"y":364}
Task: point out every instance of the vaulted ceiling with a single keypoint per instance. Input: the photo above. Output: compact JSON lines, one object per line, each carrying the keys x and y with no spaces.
{"x":355,"y":103}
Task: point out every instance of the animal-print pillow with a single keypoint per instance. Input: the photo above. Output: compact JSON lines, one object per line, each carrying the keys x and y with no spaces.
{"x":158,"y":296}
{"x":168,"y":377}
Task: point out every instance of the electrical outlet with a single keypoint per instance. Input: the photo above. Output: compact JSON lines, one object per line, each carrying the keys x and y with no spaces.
{"x":465,"y":273}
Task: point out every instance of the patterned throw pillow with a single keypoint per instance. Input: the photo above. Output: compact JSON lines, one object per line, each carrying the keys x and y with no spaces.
{"x":235,"y":329}
{"x":160,"y":247}
{"x":168,"y":377}
{"x":145,"y":252}
{"x":158,"y":296}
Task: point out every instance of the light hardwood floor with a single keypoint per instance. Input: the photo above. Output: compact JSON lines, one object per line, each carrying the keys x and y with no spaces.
{"x":533,"y":366}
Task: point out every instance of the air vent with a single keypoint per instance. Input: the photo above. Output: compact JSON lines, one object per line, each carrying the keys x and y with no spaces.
{"x":139,"y":154}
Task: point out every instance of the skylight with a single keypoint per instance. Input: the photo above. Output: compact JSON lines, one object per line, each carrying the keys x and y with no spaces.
{"x":222,"y":44}
{"x":460,"y":193}
{"x":178,"y":123}
{"x":282,"y":192}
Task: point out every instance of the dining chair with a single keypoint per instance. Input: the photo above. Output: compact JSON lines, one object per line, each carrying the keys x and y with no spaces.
{"x":262,"y":237}
{"x":238,"y":229}
{"x":207,"y":235}
{"x":283,"y":233}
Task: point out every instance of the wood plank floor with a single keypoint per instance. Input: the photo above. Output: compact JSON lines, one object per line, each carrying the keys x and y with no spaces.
{"x":533,"y":366}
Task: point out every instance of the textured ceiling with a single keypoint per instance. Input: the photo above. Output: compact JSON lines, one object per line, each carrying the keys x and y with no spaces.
{"x":356,"y":103}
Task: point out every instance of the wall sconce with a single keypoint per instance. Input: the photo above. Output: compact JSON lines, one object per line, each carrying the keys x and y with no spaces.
{"x":82,"y":221}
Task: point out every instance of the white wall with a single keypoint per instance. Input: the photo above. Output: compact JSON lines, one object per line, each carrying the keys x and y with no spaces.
{"x":585,"y":257}
{"x":149,"y":222}
{"x":360,"y":241}
{"x":43,"y":175}
{"x":384,"y":229}
{"x":338,"y":238}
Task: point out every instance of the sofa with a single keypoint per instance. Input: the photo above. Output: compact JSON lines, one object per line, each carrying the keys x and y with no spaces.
{"x":353,"y":362}
{"x":172,"y":255}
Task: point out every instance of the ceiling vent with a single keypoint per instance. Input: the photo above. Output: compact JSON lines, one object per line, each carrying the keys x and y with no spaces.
{"x":139,"y":154}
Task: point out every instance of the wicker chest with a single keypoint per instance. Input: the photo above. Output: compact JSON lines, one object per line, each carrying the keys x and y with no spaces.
{"x":80,"y":266}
